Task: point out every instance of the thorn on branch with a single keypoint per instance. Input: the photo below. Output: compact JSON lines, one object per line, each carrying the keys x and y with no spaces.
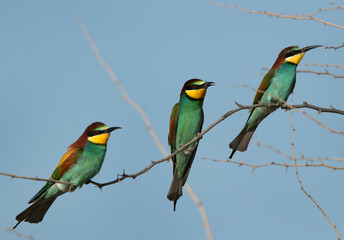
{"x":238,"y":104}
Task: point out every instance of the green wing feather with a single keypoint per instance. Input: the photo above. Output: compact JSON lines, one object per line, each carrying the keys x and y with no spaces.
{"x":173,"y":125}
{"x":173,"y":129}
{"x":67,"y":161}
{"x":264,"y":85}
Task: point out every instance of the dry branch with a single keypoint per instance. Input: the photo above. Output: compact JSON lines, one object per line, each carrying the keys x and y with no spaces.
{"x":296,"y":17}
{"x":335,"y":48}
{"x":37,"y":179}
{"x":272,"y":163}
{"x":299,"y":180}
{"x":302,"y":157}
{"x":326,"y":72}
{"x":322,"y":64}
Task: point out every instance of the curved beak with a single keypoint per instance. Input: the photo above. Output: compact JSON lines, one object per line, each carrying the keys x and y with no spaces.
{"x":208,"y":84}
{"x":112,"y":129}
{"x":305,"y":49}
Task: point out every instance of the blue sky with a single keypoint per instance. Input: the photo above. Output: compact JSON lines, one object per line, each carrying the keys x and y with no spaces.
{"x":53,"y":88}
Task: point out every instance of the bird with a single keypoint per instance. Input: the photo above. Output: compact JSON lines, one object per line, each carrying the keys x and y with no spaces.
{"x":185,"y":123}
{"x":78,"y":166}
{"x":275,"y":87}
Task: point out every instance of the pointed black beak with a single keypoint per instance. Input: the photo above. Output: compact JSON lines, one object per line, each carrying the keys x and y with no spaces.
{"x":305,"y":49}
{"x":112,"y":129}
{"x":208,"y":84}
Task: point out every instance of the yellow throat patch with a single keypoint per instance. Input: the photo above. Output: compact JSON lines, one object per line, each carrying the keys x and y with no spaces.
{"x":99,"y":139}
{"x":196,"y":94}
{"x":295,"y":59}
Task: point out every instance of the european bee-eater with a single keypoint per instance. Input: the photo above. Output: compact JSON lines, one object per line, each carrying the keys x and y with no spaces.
{"x":78,"y":165}
{"x":275,"y":87}
{"x":185,"y":123}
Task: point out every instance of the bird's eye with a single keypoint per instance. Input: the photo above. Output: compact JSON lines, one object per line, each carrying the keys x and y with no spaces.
{"x":96,"y":132}
{"x":194,"y":86}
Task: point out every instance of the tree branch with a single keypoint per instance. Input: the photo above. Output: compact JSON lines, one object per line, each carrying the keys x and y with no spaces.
{"x":37,"y":179}
{"x":296,"y":17}
{"x":321,"y":64}
{"x":299,"y":180}
{"x":302,"y":157}
{"x":326,"y":72}
{"x":272,"y":163}
{"x":335,"y":48}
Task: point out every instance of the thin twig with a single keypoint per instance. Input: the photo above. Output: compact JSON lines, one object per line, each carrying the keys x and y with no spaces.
{"x":125,"y":95}
{"x":326,"y":72}
{"x":37,"y":179}
{"x":272,"y":163}
{"x":335,"y":48}
{"x":302,"y":157}
{"x":321,"y":64}
{"x":297,"y":17}
{"x":339,"y":7}
{"x":299,"y":180}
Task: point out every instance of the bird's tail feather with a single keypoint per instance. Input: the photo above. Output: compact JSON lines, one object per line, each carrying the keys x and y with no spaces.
{"x":41,"y":192}
{"x":175,"y":191}
{"x":241,"y":142}
{"x":35,"y":213}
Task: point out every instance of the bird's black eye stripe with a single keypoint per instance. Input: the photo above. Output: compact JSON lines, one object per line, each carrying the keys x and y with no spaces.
{"x":93,"y":133}
{"x":194,"y":87}
{"x":292,"y":53}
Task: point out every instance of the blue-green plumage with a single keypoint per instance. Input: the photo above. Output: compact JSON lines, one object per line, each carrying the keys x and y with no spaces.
{"x":185,"y":123}
{"x":78,"y":165}
{"x":275,"y":87}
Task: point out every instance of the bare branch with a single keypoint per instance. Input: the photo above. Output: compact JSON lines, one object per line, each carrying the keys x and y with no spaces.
{"x":299,"y":180}
{"x":296,"y":17}
{"x":322,"y":64}
{"x":200,"y":135}
{"x":319,"y":109}
{"x":302,"y":157}
{"x":37,"y":179}
{"x":335,"y":48}
{"x":326,"y":72}
{"x":272,"y":163}
{"x":321,"y":73}
{"x":125,"y":95}
{"x":339,"y":7}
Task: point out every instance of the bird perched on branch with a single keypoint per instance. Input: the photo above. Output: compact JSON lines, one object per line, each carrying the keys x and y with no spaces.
{"x":185,"y":123}
{"x":275,"y":87}
{"x":78,"y":165}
